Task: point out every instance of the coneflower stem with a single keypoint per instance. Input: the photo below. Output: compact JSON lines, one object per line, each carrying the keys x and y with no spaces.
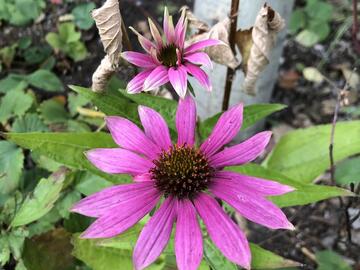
{"x":231,"y":72}
{"x":126,"y":39}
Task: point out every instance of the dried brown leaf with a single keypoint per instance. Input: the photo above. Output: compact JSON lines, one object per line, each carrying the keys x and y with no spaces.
{"x":102,"y":75}
{"x":194,"y":22}
{"x":267,"y":24}
{"x":244,"y":42}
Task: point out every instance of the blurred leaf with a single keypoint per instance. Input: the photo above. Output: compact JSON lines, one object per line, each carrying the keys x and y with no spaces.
{"x":77,"y":126}
{"x":252,"y":114}
{"x":14,"y":103}
{"x":312,"y":74}
{"x":88,"y":183}
{"x":307,"y":38}
{"x":24,"y":42}
{"x":304,"y":193}
{"x":215,"y":259}
{"x":68,"y":33}
{"x":76,"y":101}
{"x":4,"y":249}
{"x":297,"y":20}
{"x":304,"y":154}
{"x":63,"y":205}
{"x":54,"y":40}
{"x":82,"y":17}
{"x":30,"y":122}
{"x":44,"y":196}
{"x":53,"y":111}
{"x":16,"y":240}
{"x":45,"y":223}
{"x":321,"y":29}
{"x":76,"y":50}
{"x":330,"y":260}
{"x":7,"y":54}
{"x":12,"y":81}
{"x":319,"y":11}
{"x":46,"y":80}
{"x":36,"y":54}
{"x":348,"y":171}
{"x":11,"y":164}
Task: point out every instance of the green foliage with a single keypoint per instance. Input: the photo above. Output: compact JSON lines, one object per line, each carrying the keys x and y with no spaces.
{"x":214,"y":257}
{"x":67,"y":40}
{"x":313,"y":21}
{"x":348,"y":171}
{"x":14,"y":103}
{"x":7,"y":54}
{"x":30,"y":122}
{"x":45,"y":79}
{"x":52,"y":111}
{"x":304,"y":154}
{"x":82,"y":17}
{"x":20,"y":12}
{"x":330,"y":260}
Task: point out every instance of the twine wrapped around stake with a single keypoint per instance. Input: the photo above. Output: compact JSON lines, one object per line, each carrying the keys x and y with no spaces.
{"x":108,"y":21}
{"x":267,"y":24}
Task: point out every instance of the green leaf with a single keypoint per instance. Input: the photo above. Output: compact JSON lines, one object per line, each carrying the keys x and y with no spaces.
{"x":330,"y":260}
{"x":76,"y":50}
{"x":348,"y":171}
{"x":30,"y":122}
{"x":297,"y":20}
{"x":321,"y":29}
{"x":52,"y":111}
{"x":88,"y":183}
{"x":54,"y":40}
{"x":12,"y":81}
{"x":252,"y":114}
{"x":215,"y":259}
{"x":4,"y":249}
{"x":307,"y":38}
{"x":304,"y":193}
{"x":45,"y":195}
{"x":68,"y":148}
{"x":11,"y":164}
{"x":304,"y":154}
{"x":82,"y":17}
{"x":319,"y":11}
{"x":16,"y":241}
{"x":68,"y":33}
{"x":46,"y":80}
{"x":76,"y":101}
{"x":63,"y":205}
{"x":14,"y":103}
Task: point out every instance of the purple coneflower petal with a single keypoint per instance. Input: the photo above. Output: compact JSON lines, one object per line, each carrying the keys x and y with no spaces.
{"x":188,"y":239}
{"x":225,"y":234}
{"x":156,"y":34}
{"x":155,"y":127}
{"x":180,"y":30}
{"x":118,"y":160}
{"x":254,"y":208}
{"x":250,"y":184}
{"x":145,"y":177}
{"x":137,"y":83}
{"x":224,"y":131}
{"x":139,"y":59}
{"x":157,"y":77}
{"x":144,"y":42}
{"x":199,"y":45}
{"x":121,"y":217}
{"x":199,"y":58}
{"x":168,"y":27}
{"x":100,"y":202}
{"x":155,"y":235}
{"x":199,"y":75}
{"x":241,"y":153}
{"x":178,"y":79}
{"x":186,"y":121}
{"x":131,"y":137}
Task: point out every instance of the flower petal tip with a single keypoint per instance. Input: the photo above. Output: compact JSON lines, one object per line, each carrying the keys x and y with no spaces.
{"x":290,"y":226}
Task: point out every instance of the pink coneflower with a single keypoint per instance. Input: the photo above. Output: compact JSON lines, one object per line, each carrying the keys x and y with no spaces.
{"x":188,"y":178}
{"x":168,"y":59}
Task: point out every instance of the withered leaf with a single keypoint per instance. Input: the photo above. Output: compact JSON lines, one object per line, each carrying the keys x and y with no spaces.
{"x":194,"y":22}
{"x":244,"y":42}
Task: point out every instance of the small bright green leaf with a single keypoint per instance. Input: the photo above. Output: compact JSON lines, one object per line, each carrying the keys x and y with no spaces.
{"x":4,"y":250}
{"x":46,"y":80}
{"x":76,"y":50}
{"x":304,"y":193}
{"x":312,"y":74}
{"x":75,"y":101}
{"x":53,"y":111}
{"x":14,"y":103}
{"x":330,"y":260}
{"x":348,"y":171}
{"x":45,"y":194}
{"x":304,"y":154}
{"x":11,"y":164}
{"x":16,"y":241}
{"x":82,"y":17}
{"x":307,"y":38}
{"x":30,"y":122}
{"x":54,"y":40}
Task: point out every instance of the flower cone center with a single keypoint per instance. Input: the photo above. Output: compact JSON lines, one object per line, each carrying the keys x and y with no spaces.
{"x":181,"y":172}
{"x":167,"y":55}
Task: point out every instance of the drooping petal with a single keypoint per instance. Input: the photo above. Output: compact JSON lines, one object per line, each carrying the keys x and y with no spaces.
{"x":199,"y":45}
{"x":178,"y":79}
{"x":130,"y":136}
{"x":168,"y":27}
{"x":137,"y":83}
{"x":225,"y":234}
{"x":156,"y":78}
{"x":188,"y":239}
{"x":224,"y":131}
{"x":144,"y":42}
{"x":155,"y":33}
{"x":139,"y":59}
{"x":186,"y":121}
{"x":100,"y":202}
{"x":199,"y":58}
{"x":252,"y":206}
{"x":118,"y":160}
{"x":199,"y":75}
{"x":155,"y":235}
{"x":250,"y":184}
{"x":121,"y":217}
{"x":241,"y":153}
{"x":155,"y":127}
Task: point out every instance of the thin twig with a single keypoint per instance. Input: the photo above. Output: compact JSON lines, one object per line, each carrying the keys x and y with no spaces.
{"x":231,"y":72}
{"x":355,"y":28}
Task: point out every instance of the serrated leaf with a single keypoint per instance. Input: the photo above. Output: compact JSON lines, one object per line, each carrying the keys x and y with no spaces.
{"x":14,"y":103}
{"x":12,"y":81}
{"x":42,"y":200}
{"x":304,"y":154}
{"x":11,"y":164}
{"x":252,"y":114}
{"x":348,"y":171}
{"x":53,"y":111}
{"x":304,"y":193}
{"x":46,"y":80}
{"x":30,"y":122}
{"x":82,"y":17}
